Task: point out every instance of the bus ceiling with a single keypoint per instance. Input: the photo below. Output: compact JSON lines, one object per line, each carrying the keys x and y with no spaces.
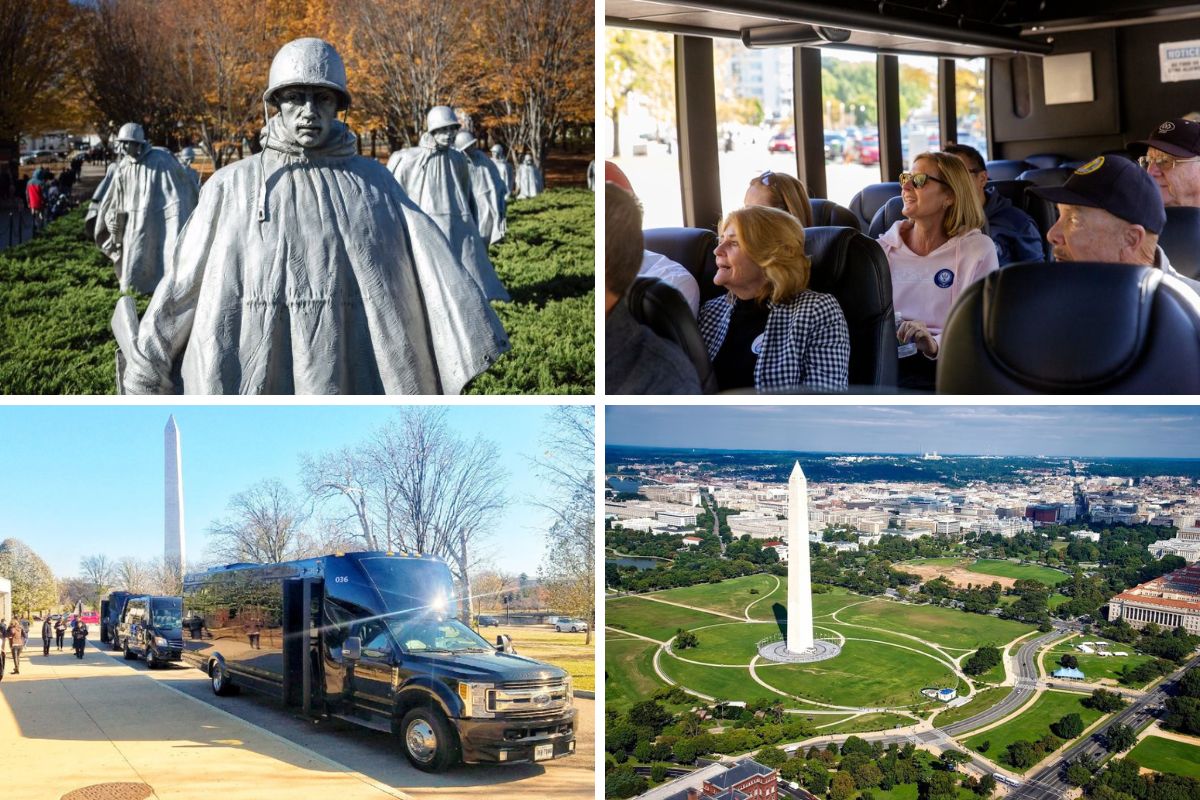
{"x":946,"y":28}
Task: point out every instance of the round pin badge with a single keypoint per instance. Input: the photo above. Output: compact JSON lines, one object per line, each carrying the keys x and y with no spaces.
{"x":943,"y":278}
{"x":757,"y":345}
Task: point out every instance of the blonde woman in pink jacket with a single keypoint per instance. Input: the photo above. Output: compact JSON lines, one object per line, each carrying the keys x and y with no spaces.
{"x":935,"y":252}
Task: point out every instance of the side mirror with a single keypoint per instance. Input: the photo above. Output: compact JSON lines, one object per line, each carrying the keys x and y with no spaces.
{"x":352,"y":649}
{"x":504,"y":644}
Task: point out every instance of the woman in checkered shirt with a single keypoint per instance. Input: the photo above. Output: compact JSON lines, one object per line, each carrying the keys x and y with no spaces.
{"x":770,"y":332}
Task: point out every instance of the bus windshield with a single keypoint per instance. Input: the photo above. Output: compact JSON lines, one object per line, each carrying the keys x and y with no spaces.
{"x":166,"y":612}
{"x":410,"y":586}
{"x":437,"y":636}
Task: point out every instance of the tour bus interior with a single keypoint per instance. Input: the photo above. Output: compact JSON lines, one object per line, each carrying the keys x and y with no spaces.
{"x":706,"y":94}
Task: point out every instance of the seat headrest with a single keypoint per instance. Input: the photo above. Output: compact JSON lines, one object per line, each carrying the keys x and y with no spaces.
{"x":1180,"y":239}
{"x":886,"y":217}
{"x":1006,"y":169}
{"x":660,"y":306}
{"x":827,"y":212}
{"x":691,"y":247}
{"x":1046,"y":160}
{"x":1014,"y":190}
{"x":1072,"y":327}
{"x":866,"y":203}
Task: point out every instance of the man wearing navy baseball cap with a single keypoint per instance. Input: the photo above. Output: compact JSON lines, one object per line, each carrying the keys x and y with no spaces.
{"x":1173,"y":161}
{"x":1109,"y":210}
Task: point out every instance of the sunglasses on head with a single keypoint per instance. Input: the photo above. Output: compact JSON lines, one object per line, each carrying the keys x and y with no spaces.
{"x":765,"y":178}
{"x":919,"y":178}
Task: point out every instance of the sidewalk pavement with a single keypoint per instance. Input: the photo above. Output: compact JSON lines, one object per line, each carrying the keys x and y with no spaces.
{"x":67,"y":724}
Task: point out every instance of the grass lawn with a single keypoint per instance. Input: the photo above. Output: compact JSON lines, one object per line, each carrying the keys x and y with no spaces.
{"x":863,"y":674}
{"x":723,"y":683}
{"x":1008,"y":569}
{"x":908,"y":791}
{"x":865,"y":723}
{"x":982,"y":701}
{"x":944,"y":626}
{"x":629,"y":675}
{"x":1034,"y":722}
{"x":58,"y":291}
{"x":1055,"y":600}
{"x":731,"y":596}
{"x":823,"y":604}
{"x":656,"y":620}
{"x":729,"y":643}
{"x":1167,"y":755}
{"x":994,"y":675}
{"x":566,"y":650}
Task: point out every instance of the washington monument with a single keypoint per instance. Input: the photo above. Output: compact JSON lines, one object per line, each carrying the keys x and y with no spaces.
{"x":799,"y":611}
{"x":173,"y":534}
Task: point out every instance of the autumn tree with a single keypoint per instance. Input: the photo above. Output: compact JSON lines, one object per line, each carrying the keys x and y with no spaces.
{"x":33,"y":585}
{"x":40,"y":48}
{"x":542,"y":67}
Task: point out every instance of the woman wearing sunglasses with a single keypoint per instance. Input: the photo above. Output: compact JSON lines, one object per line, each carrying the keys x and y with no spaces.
{"x":777,"y":190}
{"x":935,"y":252}
{"x":770,"y":332}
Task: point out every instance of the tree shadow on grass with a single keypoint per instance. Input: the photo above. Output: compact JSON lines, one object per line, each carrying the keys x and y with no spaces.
{"x":556,"y":288}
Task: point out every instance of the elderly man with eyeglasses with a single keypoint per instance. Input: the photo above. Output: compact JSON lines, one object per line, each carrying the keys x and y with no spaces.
{"x":1173,"y":161}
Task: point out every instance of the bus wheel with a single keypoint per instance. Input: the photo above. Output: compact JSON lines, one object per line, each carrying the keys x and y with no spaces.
{"x":129,"y":654}
{"x":222,"y":684}
{"x":151,"y":661}
{"x":429,"y":742}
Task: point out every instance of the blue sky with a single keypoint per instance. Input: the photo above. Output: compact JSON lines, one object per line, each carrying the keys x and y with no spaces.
{"x":79,"y":480}
{"x":1112,"y":431}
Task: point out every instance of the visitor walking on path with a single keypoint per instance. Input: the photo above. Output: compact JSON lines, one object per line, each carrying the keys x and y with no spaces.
{"x":60,"y":628}
{"x":79,"y":638}
{"x":3,"y":644}
{"x":47,"y":635}
{"x":16,"y":643}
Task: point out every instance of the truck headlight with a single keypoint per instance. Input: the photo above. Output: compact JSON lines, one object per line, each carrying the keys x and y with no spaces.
{"x":474,"y":698}
{"x":570,"y":693}
{"x":160,"y":641}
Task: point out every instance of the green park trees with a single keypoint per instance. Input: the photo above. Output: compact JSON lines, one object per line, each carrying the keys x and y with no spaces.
{"x":982,"y":660}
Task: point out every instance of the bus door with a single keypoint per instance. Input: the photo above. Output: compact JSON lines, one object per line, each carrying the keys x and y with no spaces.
{"x":302,"y":665}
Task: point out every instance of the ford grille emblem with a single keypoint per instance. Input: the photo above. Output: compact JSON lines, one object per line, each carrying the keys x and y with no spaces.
{"x":541,"y":699}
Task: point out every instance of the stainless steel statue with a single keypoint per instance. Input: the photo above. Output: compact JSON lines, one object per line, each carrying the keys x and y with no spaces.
{"x":488,"y":187}
{"x":143,"y":210}
{"x":306,"y":269}
{"x":529,"y":178}
{"x":187,"y":157}
{"x":438,"y":179}
{"x":505,"y":169}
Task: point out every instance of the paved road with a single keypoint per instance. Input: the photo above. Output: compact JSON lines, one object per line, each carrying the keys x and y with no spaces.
{"x":1049,"y":782}
{"x":1026,"y":685}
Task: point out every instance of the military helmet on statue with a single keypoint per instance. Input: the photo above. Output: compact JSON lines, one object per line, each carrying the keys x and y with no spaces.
{"x":308,"y":62}
{"x":463,"y":140}
{"x":440,"y":117}
{"x":131,"y":132}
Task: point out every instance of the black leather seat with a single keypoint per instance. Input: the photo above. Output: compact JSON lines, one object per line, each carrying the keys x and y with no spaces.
{"x":691,"y":247}
{"x":1072,"y":327}
{"x":1014,"y":190}
{"x":852,"y":268}
{"x":866,"y":203}
{"x":827,"y":212}
{"x":1049,"y":176}
{"x":661,"y":307}
{"x":1180,"y":240}
{"x":1046,"y":160}
{"x":1006,"y":169}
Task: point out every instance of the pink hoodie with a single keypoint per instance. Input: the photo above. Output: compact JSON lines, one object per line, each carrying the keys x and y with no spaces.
{"x":925,"y":287}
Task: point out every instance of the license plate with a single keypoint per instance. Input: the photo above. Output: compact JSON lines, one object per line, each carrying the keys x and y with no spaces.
{"x":543,"y":752}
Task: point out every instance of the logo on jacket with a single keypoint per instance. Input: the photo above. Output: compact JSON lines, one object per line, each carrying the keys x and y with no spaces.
{"x":944,"y":278}
{"x":757,"y":344}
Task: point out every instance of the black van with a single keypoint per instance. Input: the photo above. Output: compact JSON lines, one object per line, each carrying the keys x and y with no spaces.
{"x":151,"y":627}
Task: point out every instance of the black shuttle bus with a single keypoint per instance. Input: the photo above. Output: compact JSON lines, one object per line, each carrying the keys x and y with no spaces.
{"x":371,"y":638}
{"x":110,"y":614}
{"x":150,"y":627}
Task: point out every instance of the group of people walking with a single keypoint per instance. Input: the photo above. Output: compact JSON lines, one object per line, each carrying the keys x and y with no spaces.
{"x":14,"y":637}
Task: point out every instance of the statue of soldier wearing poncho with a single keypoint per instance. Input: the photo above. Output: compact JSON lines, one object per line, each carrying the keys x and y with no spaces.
{"x":187,"y":157}
{"x":143,"y":210}
{"x":529,"y":178}
{"x":487,"y":186}
{"x":438,"y":179}
{"x":306,"y":269}
{"x":505,"y":169}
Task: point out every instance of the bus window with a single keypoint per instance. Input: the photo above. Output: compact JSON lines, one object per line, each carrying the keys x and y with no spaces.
{"x":639,"y":85}
{"x":970,"y":94}
{"x":756,"y":128}
{"x":851,"y":123}
{"x":918,"y":107}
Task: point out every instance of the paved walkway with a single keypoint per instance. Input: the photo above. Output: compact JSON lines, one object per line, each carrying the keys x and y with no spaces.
{"x":68,"y":724}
